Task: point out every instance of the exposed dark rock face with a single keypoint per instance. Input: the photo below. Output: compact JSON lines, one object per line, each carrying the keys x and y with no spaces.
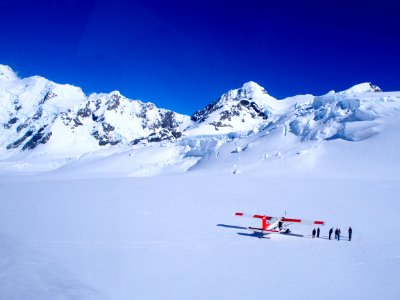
{"x":107,"y":128}
{"x":11,"y":122}
{"x":19,"y":141}
{"x":17,"y":105}
{"x":162,"y":135}
{"x":49,"y":95}
{"x":38,"y":138}
{"x":146,"y":107}
{"x":375,"y":88}
{"x":84,"y":112}
{"x":105,"y":138}
{"x":23,"y":125}
{"x":168,"y":120}
{"x":38,"y":114}
{"x":113,"y":102}
{"x":98,"y":118}
{"x":201,"y":115}
{"x":218,"y":125}
{"x":234,"y":110}
{"x":77,"y":122}
{"x":252,"y":106}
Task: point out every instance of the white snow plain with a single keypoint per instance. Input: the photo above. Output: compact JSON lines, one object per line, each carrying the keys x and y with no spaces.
{"x":156,"y":221}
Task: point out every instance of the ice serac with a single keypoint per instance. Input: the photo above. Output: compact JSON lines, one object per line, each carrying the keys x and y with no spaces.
{"x":237,"y":110}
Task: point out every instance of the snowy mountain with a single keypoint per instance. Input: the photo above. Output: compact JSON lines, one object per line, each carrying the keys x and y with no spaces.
{"x":45,"y":125}
{"x":36,"y":111}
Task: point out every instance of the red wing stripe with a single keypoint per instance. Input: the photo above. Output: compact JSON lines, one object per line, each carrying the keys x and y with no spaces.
{"x":262,"y":216}
{"x":319,"y":222}
{"x":258,"y":216}
{"x":239,"y":214}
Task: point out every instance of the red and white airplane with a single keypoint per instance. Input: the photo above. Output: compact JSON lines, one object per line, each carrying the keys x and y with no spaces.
{"x":276,"y":224}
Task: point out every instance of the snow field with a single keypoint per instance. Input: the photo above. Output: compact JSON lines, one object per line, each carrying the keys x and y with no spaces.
{"x":175,"y":237}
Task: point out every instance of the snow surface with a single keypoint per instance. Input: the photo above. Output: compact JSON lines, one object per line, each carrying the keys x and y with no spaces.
{"x":155,"y":220}
{"x":174,"y":236}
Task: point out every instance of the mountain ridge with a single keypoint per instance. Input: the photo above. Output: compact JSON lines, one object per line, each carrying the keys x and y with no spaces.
{"x":42,"y":117}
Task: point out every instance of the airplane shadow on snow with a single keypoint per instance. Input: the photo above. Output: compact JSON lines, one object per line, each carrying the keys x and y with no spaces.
{"x":255,"y":234}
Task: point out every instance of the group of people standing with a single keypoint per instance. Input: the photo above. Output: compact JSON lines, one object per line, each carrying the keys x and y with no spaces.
{"x":316,"y":232}
{"x":338,"y":232}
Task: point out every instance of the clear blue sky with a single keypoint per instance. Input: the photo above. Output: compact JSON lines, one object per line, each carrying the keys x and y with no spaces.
{"x":182,"y":55}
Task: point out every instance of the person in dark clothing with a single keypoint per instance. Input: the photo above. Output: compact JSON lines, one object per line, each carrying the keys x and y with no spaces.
{"x":350,"y":233}
{"x":338,"y":234}
{"x":318,"y":232}
{"x":313,"y":233}
{"x":330,"y":232}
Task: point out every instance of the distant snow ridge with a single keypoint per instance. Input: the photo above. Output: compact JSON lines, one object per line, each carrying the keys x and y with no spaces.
{"x":366,"y":87}
{"x":60,"y":119}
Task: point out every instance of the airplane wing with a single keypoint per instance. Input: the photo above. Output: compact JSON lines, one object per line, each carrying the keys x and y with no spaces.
{"x":283,"y":220}
{"x":289,"y":220}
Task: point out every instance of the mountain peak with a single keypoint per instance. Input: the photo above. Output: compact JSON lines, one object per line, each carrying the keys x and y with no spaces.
{"x":251,"y":85}
{"x":237,"y":109}
{"x":116,"y":93}
{"x":251,"y":89}
{"x":366,"y":87}
{"x":6,"y":73}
